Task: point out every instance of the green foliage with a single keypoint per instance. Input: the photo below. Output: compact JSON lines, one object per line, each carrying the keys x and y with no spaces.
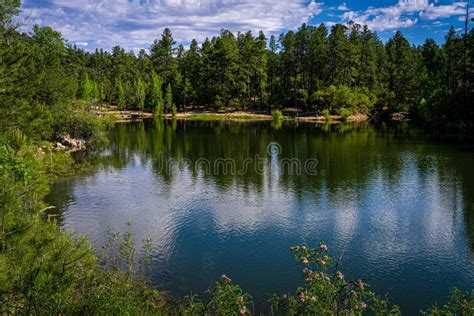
{"x":43,"y":269}
{"x":277,"y":115}
{"x":162,"y":56}
{"x":459,"y":303}
{"x":218,"y":104}
{"x":174,"y":110}
{"x":8,"y":10}
{"x":342,"y":97}
{"x":120,"y":93}
{"x":168,"y":99}
{"x":327,"y":291}
{"x":140,"y":93}
{"x":229,"y":299}
{"x":310,"y":69}
{"x":404,"y":68}
{"x":155,"y":94}
{"x":86,"y":89}
{"x":345,"y":113}
{"x":326,"y":114}
{"x":80,"y":123}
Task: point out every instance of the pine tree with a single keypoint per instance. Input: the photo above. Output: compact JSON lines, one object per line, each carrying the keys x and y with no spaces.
{"x":261,"y":76}
{"x":120,"y":95}
{"x":403,"y":70}
{"x":168,"y":99}
{"x":339,"y":52}
{"x":162,"y":55}
{"x":155,"y":94}
{"x":188,"y":93}
{"x":288,"y":62}
{"x":86,"y":90}
{"x":140,"y":93}
{"x":8,"y":10}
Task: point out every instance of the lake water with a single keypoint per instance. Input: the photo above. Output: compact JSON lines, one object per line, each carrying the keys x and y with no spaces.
{"x":220,"y":197}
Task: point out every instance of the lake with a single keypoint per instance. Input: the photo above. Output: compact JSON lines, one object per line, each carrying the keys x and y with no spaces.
{"x":222,"y":197}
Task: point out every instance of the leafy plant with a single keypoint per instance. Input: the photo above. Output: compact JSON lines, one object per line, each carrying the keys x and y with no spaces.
{"x":326,"y":290}
{"x":326,"y":114}
{"x":459,"y":303}
{"x":277,"y":115}
{"x":229,"y":299}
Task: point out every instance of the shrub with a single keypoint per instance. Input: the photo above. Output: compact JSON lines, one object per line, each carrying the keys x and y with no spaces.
{"x":174,"y":110}
{"x":338,"y":97}
{"x":218,"y":103}
{"x":459,"y":303}
{"x":327,"y":114}
{"x":229,"y":299}
{"x":277,"y":115}
{"x":326,"y":290}
{"x":345,"y":114}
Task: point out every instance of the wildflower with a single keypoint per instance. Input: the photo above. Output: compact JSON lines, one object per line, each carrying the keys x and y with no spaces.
{"x":360,"y":284}
{"x":323,"y":247}
{"x":225,"y":278}
{"x":339,"y":275}
{"x":314,"y":298}
{"x":364,"y":306}
{"x":304,"y":260}
{"x":243,"y":311}
{"x":301,"y":296}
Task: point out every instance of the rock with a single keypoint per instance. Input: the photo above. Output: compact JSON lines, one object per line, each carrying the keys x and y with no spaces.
{"x":66,"y":142}
{"x":59,"y":147}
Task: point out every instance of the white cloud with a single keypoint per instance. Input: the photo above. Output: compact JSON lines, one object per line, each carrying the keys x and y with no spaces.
{"x":404,"y":14}
{"x":433,"y":12}
{"x":136,"y":23}
{"x":343,"y":7}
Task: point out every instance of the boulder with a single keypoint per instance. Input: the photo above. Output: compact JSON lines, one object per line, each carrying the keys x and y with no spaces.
{"x":66,"y":142}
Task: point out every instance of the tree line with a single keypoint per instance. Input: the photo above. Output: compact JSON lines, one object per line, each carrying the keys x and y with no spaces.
{"x":344,"y":69}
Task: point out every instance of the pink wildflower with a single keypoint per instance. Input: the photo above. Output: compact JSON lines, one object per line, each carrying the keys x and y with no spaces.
{"x":301,"y":296}
{"x":225,"y":278}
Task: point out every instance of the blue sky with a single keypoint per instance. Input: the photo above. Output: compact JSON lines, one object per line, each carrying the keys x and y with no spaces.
{"x":134,"y":24}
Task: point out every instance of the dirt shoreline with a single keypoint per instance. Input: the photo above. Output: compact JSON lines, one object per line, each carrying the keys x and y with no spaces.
{"x":126,"y":116}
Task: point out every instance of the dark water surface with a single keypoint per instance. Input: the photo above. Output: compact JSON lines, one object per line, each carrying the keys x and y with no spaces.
{"x":401,"y":201}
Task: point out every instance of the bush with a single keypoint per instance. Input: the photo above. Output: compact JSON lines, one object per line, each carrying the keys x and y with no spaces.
{"x":327,"y":291}
{"x":218,"y":103}
{"x":229,"y":299}
{"x":345,"y":114}
{"x":326,"y":114}
{"x":459,"y":303}
{"x":277,"y":115}
{"x":174,"y":110}
{"x":338,"y":97}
